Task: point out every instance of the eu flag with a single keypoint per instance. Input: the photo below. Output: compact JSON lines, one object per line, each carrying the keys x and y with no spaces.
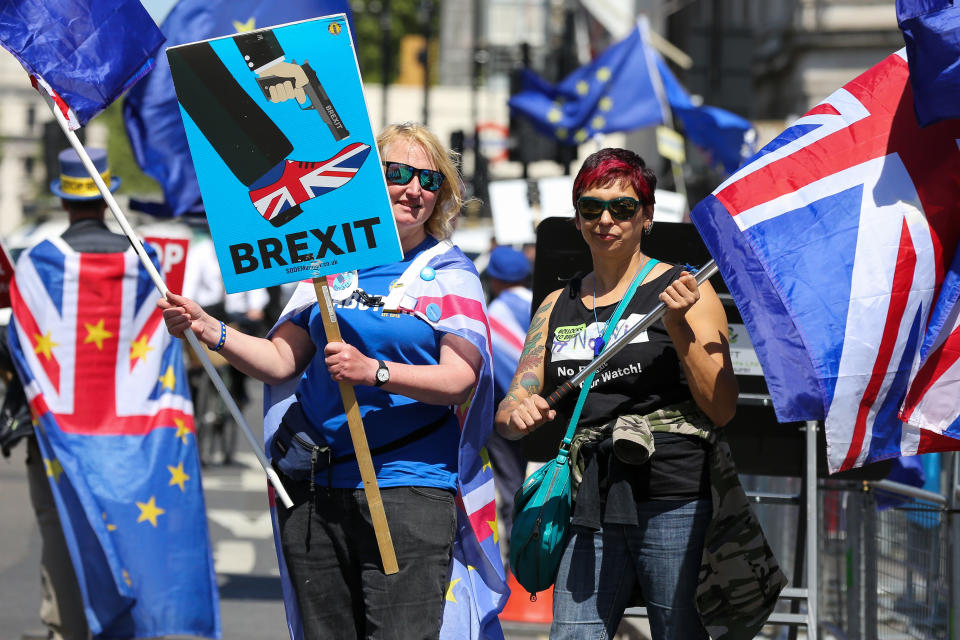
{"x":726,"y":137}
{"x":85,"y":53}
{"x":151,"y":112}
{"x":628,"y":87}
{"x":931,"y":29}
{"x":108,"y":391}
{"x":618,"y":91}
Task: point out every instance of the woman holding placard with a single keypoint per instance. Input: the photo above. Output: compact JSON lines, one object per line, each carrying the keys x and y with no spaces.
{"x":410,"y":371}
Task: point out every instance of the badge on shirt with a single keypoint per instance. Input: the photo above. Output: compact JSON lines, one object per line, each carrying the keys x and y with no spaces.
{"x":566,"y":334}
{"x":343,"y":285}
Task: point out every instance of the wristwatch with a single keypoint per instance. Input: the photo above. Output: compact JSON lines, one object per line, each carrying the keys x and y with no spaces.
{"x":383,"y":374}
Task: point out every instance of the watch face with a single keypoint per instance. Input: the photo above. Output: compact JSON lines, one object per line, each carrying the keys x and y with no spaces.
{"x":383,"y":375}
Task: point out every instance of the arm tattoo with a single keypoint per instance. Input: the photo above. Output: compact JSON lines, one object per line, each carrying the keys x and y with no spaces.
{"x":530,"y":383}
{"x":531,"y":357}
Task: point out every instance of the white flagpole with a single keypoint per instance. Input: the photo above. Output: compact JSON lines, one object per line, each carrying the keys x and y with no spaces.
{"x":162,"y":288}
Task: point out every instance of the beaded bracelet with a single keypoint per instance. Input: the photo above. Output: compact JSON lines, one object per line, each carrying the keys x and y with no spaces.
{"x":223,"y":337}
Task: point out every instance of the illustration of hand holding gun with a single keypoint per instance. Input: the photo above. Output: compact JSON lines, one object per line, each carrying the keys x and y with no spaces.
{"x":287,"y":80}
{"x":247,"y":140}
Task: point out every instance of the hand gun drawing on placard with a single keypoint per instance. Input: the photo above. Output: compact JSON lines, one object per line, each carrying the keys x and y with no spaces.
{"x":319,"y":100}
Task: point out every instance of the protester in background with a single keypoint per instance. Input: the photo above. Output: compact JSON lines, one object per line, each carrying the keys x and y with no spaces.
{"x":216,"y":429}
{"x":62,"y":607}
{"x":634,"y":524}
{"x":409,"y":375}
{"x":508,"y":273}
{"x":113,"y":426}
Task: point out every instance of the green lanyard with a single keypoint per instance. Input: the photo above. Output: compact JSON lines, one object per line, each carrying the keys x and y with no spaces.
{"x":611,"y":325}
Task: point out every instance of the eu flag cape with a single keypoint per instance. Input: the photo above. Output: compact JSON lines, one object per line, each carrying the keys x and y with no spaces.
{"x":151,"y":112}
{"x":84,"y":53}
{"x":108,"y":391}
{"x":477,"y":590}
{"x":839,"y":244}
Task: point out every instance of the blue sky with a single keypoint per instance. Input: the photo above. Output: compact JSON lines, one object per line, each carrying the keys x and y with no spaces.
{"x":158,"y":9}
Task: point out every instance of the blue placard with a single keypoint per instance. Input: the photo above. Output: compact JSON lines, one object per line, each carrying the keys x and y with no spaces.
{"x":292,"y":190}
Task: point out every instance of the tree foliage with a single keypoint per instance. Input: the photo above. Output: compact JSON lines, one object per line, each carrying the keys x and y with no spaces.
{"x":404,"y":17}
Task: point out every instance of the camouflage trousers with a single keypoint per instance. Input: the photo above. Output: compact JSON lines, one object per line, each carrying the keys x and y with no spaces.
{"x":740,"y":579}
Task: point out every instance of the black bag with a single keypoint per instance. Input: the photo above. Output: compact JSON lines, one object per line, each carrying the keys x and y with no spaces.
{"x":15,"y":420}
{"x":298,"y":451}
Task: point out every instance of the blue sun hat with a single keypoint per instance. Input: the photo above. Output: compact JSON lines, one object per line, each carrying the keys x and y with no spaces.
{"x":508,"y":264}
{"x":75,"y":183}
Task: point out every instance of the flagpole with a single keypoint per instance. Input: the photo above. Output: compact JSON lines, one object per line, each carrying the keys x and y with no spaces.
{"x":706,"y":272}
{"x":676,"y":169}
{"x":162,"y":288}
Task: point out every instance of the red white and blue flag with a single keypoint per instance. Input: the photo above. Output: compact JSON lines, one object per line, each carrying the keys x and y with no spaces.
{"x":451,"y":302}
{"x":108,"y":392}
{"x":301,"y":181}
{"x":509,"y":320}
{"x":838,"y":241}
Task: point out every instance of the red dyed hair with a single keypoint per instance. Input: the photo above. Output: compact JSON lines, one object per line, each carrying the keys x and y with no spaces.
{"x":609,"y":166}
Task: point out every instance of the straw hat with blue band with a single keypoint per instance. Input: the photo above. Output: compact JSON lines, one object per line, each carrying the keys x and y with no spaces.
{"x":75,"y":183}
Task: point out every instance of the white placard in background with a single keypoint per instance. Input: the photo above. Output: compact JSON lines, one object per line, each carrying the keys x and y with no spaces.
{"x":742,"y":354}
{"x":512,"y":215}
{"x":555,"y":194}
{"x":670,"y":207}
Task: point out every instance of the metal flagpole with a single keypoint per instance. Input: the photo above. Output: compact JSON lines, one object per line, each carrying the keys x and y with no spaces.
{"x":705,"y":273}
{"x":162,"y":288}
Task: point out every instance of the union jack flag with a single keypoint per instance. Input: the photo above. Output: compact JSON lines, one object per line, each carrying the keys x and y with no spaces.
{"x":301,"y":181}
{"x":451,"y":302}
{"x":108,"y":391}
{"x":838,"y":242}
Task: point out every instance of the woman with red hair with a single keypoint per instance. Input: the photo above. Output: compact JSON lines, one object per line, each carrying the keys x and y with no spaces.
{"x":643,"y":498}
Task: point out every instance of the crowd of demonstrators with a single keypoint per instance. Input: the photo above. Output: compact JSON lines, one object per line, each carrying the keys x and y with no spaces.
{"x":639,"y":520}
{"x":508,"y":280}
{"x":409,"y":376}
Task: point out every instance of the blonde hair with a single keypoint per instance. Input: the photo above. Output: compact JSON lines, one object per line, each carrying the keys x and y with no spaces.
{"x":450,"y":196}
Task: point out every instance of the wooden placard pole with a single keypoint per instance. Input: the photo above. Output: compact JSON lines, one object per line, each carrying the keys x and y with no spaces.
{"x":359,"y":437}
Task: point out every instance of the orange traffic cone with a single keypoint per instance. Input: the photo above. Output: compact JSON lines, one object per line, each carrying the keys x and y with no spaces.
{"x":521,"y":609}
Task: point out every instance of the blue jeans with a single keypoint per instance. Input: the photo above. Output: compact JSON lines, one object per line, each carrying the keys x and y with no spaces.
{"x":334,"y":563}
{"x":600,"y":570}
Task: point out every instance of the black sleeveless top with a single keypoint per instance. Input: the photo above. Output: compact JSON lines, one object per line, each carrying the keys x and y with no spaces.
{"x":642,"y":377}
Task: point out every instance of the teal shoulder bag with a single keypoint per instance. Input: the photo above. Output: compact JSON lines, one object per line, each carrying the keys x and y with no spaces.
{"x":542,"y":505}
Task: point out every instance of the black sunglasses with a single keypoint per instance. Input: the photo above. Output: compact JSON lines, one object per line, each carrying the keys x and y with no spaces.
{"x":620,"y":208}
{"x":399,"y":173}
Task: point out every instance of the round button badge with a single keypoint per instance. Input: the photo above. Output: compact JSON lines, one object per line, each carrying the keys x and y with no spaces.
{"x":427,"y":274}
{"x":342,"y":285}
{"x":433,"y":312}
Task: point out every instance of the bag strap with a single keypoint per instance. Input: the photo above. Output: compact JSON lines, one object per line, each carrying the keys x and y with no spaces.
{"x":611,"y":325}
{"x":411,"y":437}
